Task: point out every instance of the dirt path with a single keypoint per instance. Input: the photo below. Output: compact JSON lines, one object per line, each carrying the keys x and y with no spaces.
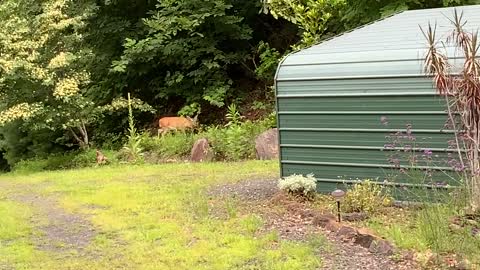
{"x":294,"y":221}
{"x":61,"y":232}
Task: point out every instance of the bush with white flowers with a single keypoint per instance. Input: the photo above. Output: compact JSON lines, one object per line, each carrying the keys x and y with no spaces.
{"x":299,"y":185}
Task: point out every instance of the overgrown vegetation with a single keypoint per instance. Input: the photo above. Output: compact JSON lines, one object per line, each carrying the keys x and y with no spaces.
{"x":438,"y":225}
{"x":432,"y":232}
{"x":233,"y":142}
{"x":68,"y":160}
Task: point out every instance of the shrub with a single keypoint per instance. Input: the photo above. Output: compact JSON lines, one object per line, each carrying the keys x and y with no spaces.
{"x":299,"y":185}
{"x":88,"y":158}
{"x":68,"y":160}
{"x":171,"y":146}
{"x":52,"y":162}
{"x":366,"y":196}
{"x":106,"y":140}
{"x":235,"y":142}
{"x":30,"y":165}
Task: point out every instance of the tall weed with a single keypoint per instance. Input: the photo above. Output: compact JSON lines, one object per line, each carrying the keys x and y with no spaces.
{"x":132,"y":150}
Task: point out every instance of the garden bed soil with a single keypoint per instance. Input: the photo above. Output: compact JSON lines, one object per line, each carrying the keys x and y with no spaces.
{"x":294,"y":219}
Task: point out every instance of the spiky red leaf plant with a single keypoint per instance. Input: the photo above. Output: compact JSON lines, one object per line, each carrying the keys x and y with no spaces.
{"x":460,"y":85}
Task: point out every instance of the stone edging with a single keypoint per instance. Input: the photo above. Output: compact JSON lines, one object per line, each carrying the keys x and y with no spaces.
{"x":361,"y":237}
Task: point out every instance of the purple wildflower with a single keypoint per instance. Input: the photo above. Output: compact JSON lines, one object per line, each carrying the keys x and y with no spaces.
{"x":407,"y":148}
{"x":427,"y":152}
{"x":459,"y":167}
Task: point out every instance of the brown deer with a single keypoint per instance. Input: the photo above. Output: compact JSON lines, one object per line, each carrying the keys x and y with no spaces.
{"x":166,"y":124}
{"x":101,"y":158}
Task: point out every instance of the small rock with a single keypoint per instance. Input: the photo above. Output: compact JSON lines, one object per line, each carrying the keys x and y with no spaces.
{"x":355,"y":217}
{"x":346,"y":232}
{"x":266,"y":144}
{"x":381,"y":247}
{"x":455,"y":220}
{"x":365,"y":240}
{"x":454,"y":227}
{"x":476,"y":232}
{"x":408,"y":255}
{"x":201,"y":151}
{"x":322,"y":219}
{"x":471,"y":222}
{"x":332,"y":226}
{"x":307,"y":213}
{"x":463,"y":265}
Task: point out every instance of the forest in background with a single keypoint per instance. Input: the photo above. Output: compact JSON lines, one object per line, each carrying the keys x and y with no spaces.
{"x":66,"y":66}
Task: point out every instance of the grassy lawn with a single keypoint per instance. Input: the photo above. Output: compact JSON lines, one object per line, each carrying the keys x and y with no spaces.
{"x":138,"y":217}
{"x":426,"y":230}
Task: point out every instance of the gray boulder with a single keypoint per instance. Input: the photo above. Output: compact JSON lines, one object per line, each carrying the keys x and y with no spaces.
{"x":266,"y":144}
{"x":201,"y":151}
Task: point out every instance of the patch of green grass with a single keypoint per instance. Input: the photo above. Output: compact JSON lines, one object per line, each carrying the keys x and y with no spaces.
{"x":426,"y":229}
{"x":16,"y":248}
{"x":231,"y":207}
{"x":157,"y":217}
{"x":61,"y":161}
{"x":13,"y":219}
{"x":401,"y":233}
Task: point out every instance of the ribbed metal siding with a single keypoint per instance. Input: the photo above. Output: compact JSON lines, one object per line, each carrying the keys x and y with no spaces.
{"x":340,"y":137}
{"x":332,"y":96}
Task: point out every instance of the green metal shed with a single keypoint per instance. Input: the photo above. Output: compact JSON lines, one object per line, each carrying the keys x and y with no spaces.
{"x":334,"y":98}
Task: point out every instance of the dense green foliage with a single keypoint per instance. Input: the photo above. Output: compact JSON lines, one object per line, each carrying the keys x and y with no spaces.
{"x":232,"y":143}
{"x":66,"y":66}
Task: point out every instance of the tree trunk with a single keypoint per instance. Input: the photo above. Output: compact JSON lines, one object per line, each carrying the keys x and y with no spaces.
{"x":83,"y":131}
{"x":81,"y":139}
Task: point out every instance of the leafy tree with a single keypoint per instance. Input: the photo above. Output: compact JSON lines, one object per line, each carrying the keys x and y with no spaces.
{"x":360,"y":12}
{"x":314,"y":17}
{"x":44,"y":67}
{"x":321,"y":19}
{"x":189,"y":47}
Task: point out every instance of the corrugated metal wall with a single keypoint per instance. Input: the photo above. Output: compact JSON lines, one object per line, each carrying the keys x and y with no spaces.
{"x":333,"y":128}
{"x":331,"y":98}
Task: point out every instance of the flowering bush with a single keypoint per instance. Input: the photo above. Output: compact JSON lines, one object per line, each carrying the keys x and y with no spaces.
{"x":299,"y":185}
{"x":61,"y":60}
{"x":122,"y":103}
{"x":66,"y":88}
{"x":23,"y":111}
{"x":366,"y":196}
